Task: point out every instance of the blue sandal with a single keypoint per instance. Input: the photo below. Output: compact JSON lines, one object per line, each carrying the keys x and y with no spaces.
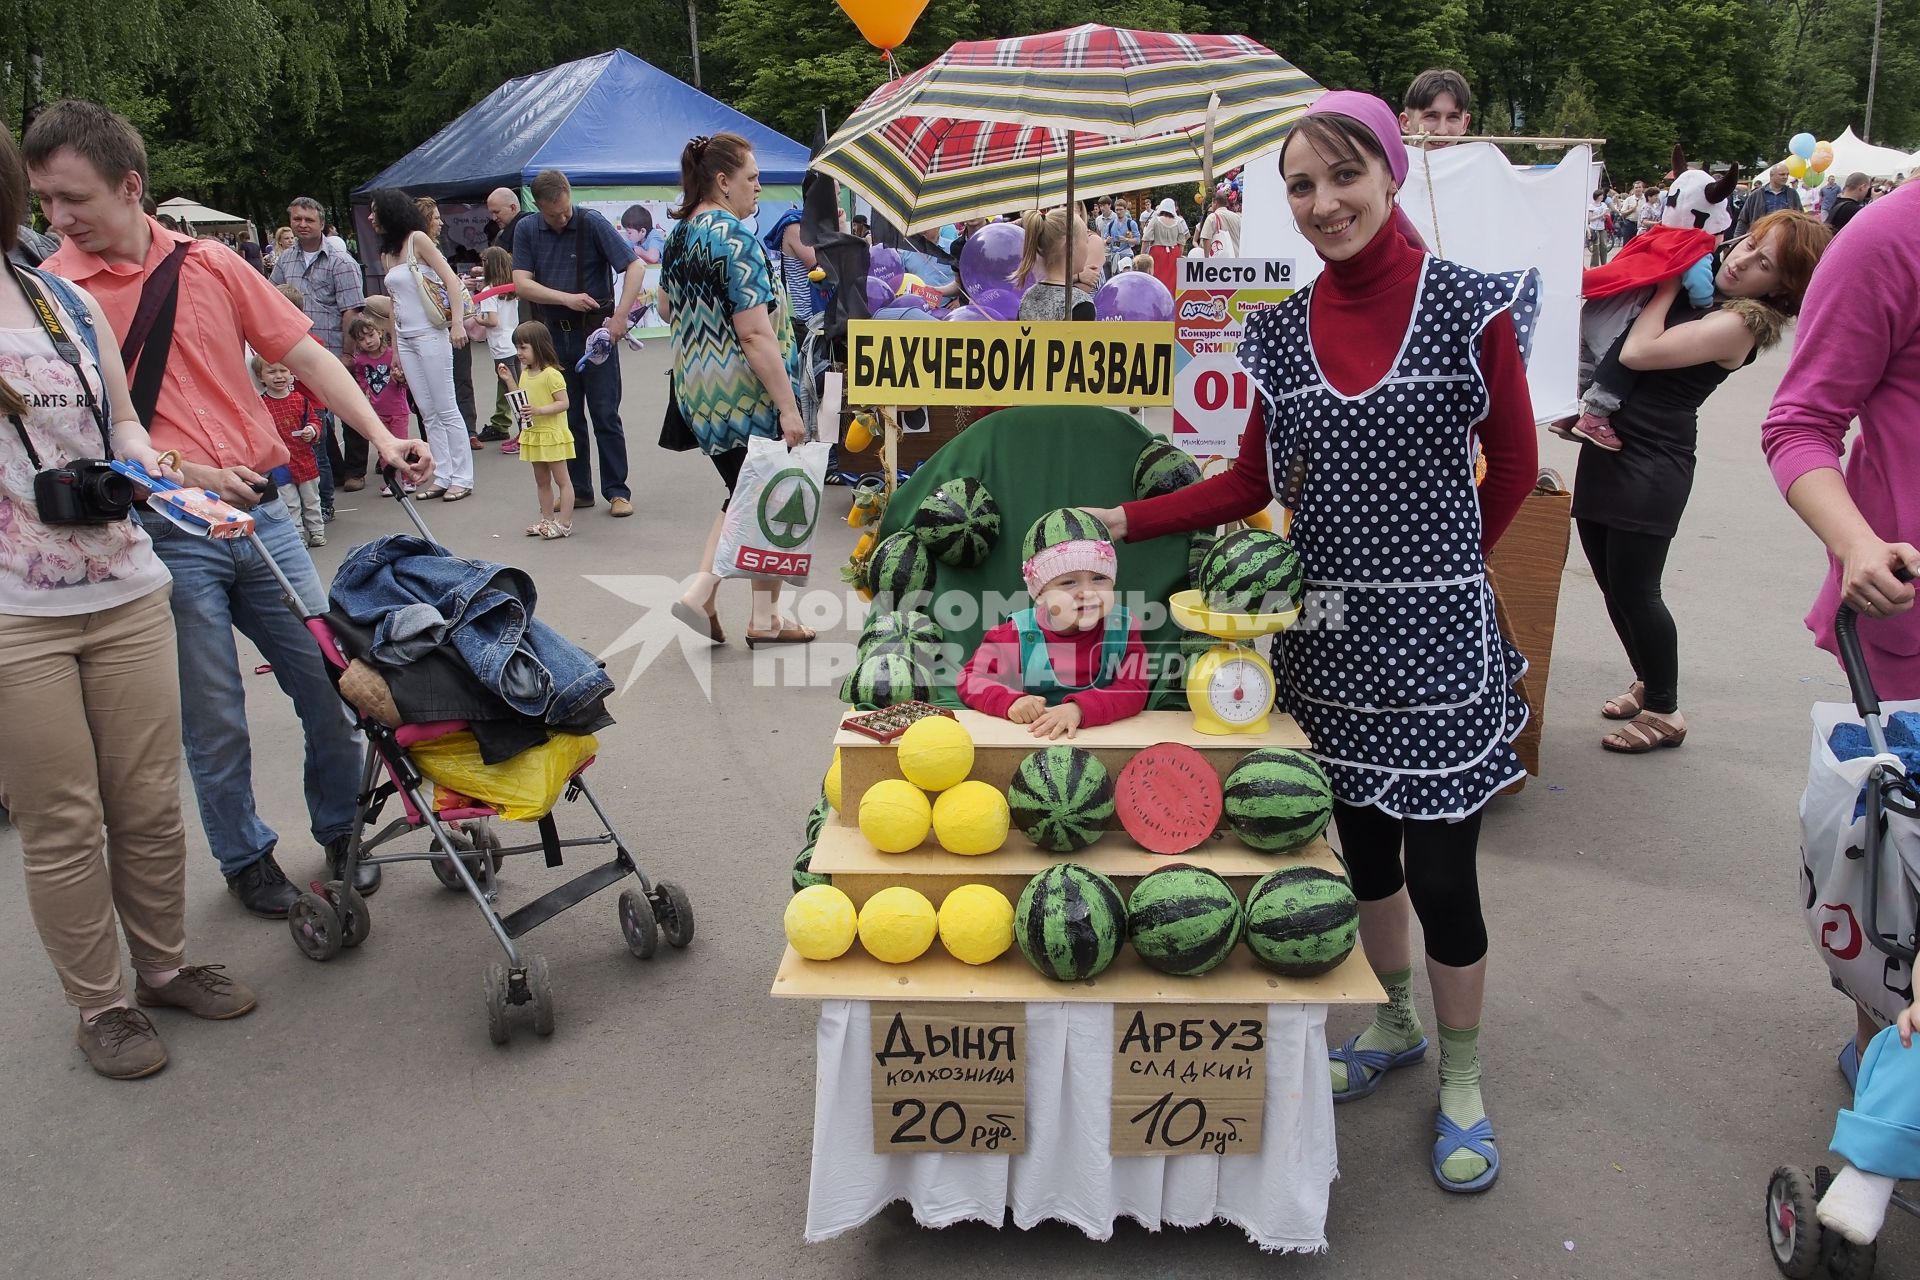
{"x":1476,"y":1138}
{"x":1365,"y":1067}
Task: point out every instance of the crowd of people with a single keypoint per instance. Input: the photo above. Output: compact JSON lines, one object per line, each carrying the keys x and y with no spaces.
{"x":199,"y":366}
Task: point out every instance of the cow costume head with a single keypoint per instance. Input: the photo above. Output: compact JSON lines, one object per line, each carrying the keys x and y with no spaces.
{"x":1696,"y":200}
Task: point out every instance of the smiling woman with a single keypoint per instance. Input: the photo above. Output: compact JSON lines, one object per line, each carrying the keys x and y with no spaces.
{"x":1377,"y":382}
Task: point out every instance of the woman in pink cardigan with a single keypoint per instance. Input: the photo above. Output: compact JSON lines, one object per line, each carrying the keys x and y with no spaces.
{"x":1857,"y":354}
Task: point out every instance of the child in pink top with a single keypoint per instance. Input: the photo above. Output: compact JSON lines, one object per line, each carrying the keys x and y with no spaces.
{"x":377,"y":369}
{"x":1857,"y":354}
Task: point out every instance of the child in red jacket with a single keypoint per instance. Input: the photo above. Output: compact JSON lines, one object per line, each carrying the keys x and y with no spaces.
{"x":297,"y":418}
{"x":1074,"y":659}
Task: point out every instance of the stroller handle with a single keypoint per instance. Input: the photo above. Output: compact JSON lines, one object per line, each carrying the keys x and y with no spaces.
{"x":396,"y":485}
{"x":1846,"y":630}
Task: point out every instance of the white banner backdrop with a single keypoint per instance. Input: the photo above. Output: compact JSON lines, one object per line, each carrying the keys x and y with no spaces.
{"x":1492,"y":217}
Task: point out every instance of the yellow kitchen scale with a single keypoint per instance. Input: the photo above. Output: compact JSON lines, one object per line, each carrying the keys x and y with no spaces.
{"x":1230,"y":687}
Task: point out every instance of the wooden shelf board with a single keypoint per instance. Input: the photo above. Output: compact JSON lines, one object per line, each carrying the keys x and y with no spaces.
{"x":1133,"y":733}
{"x":843,"y":849}
{"x":938,"y":976}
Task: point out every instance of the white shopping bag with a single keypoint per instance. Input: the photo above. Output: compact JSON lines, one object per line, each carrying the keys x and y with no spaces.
{"x":1834,"y":888}
{"x":774,"y":512}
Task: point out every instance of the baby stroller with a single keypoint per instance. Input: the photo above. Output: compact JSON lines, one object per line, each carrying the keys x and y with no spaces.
{"x":465,"y":852}
{"x":1802,"y":1247}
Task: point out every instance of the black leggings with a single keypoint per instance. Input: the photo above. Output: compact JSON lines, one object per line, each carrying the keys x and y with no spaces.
{"x":1438,"y":874}
{"x":1628,"y":567}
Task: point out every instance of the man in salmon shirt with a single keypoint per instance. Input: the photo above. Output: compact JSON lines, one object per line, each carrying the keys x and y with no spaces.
{"x":88,"y":167}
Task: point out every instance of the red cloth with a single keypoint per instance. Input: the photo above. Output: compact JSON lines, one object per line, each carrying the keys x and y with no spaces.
{"x":990,"y":682}
{"x":1656,"y":254}
{"x":1365,"y":303}
{"x":290,"y":413}
{"x":1166,"y":265}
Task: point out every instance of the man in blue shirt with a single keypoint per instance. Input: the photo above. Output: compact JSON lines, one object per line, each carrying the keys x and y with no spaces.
{"x":563,"y":265}
{"x":1771,"y":198}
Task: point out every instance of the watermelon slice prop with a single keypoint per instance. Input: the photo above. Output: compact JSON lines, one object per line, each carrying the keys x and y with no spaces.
{"x":1170,"y":799}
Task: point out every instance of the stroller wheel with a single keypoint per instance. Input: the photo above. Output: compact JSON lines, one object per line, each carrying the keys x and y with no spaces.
{"x":1845,"y":1260}
{"x":1792,"y":1229}
{"x":464,"y":841}
{"x":675,"y":913}
{"x":540,"y":987}
{"x":637,"y":923}
{"x":495,"y":984}
{"x":356,"y":922}
{"x":315,"y":926}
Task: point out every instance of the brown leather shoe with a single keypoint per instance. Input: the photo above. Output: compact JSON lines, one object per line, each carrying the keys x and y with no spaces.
{"x":203,"y":990}
{"x":121,"y":1045}
{"x":620,"y":508}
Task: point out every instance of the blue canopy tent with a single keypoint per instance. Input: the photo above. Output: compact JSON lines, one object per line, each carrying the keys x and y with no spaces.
{"x":610,"y":120}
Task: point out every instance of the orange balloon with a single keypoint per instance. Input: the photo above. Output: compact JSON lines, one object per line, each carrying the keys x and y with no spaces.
{"x":885,"y":23}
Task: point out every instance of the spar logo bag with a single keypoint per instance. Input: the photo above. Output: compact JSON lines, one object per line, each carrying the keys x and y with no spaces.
{"x":1834,"y":888}
{"x":774,"y":512}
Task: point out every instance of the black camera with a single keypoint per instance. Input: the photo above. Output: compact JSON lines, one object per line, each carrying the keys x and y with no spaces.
{"x":86,"y":491}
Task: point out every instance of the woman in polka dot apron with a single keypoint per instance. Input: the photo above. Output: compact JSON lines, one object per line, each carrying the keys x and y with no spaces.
{"x":1380,"y":383}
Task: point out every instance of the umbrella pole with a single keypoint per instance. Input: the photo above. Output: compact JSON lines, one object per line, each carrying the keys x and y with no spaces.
{"x":1072,"y":239}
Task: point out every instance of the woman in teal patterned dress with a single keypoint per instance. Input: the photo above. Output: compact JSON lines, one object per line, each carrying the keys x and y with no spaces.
{"x":735,"y":363}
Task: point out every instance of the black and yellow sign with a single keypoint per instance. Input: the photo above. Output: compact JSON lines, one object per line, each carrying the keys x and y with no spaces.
{"x":923,"y":362}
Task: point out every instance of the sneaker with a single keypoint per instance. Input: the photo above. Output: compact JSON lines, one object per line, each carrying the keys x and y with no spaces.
{"x":326,"y":515}
{"x":491,"y":435}
{"x":1597,"y":430}
{"x":510,"y":447}
{"x":353,"y":484}
{"x":317,"y":540}
{"x":620,"y":507}
{"x":263,"y":888}
{"x":366,"y":876}
{"x":203,"y":990}
{"x":121,"y":1044}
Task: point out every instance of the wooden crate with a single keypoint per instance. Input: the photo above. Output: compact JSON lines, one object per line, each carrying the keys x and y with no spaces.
{"x":947,"y":421}
{"x":1525,"y":569}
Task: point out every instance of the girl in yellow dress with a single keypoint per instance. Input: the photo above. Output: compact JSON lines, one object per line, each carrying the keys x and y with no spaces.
{"x":545,"y":439}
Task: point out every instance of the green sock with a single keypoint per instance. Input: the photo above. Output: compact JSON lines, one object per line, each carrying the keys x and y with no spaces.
{"x":1460,"y":1096}
{"x":1396,"y":1024}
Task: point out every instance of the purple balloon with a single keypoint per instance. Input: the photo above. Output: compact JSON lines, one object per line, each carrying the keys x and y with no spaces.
{"x":878,"y":295}
{"x":1133,"y":295}
{"x":885,"y":264}
{"x":1001,"y":302}
{"x":898,"y":312}
{"x":991,"y":257}
{"x":970,"y":313}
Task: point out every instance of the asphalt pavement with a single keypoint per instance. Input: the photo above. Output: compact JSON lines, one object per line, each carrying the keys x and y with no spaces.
{"x":1658,"y":1034}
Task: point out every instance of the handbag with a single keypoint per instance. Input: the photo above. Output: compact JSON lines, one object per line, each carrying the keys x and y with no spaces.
{"x":675,"y":434}
{"x":433,"y":292}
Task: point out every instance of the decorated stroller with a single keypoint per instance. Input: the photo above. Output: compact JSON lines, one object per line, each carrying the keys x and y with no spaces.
{"x":1858,"y":888}
{"x":465,"y":851}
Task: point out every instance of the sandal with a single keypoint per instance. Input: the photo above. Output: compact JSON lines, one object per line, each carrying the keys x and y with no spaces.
{"x":1642,"y":734}
{"x":788,"y":633}
{"x":556,"y":530}
{"x":1476,"y":1138}
{"x":1367,"y":1067}
{"x":1627,"y":705}
{"x":538,"y":528}
{"x":707,"y":623}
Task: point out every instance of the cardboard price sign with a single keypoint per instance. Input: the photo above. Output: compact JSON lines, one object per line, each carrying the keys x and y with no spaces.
{"x":949,"y":1078}
{"x":1212,"y":392}
{"x":982,"y":362}
{"x":1188,"y":1079}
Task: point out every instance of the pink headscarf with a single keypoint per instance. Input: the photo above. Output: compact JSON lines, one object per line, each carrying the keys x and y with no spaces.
{"x":1376,"y":116}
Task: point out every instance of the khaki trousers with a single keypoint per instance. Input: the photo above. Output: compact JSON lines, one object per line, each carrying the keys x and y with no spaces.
{"x":90,"y":770}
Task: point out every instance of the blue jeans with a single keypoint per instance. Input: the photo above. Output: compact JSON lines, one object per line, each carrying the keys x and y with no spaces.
{"x":595,"y":389}
{"x":218,"y":586}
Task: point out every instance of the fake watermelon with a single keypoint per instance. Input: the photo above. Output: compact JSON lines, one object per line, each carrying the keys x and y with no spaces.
{"x":1062,"y":798}
{"x":1069,"y":922}
{"x":912,"y":624}
{"x":1277,"y":799}
{"x":817,"y":817}
{"x":1161,"y":468}
{"x":1199,"y":542}
{"x":958,"y":522}
{"x":803,"y":874}
{"x":900,"y":574}
{"x":1302,"y":921}
{"x":1251,"y":571}
{"x":1068,"y":524}
{"x":882,"y":679}
{"x":1183,"y":920}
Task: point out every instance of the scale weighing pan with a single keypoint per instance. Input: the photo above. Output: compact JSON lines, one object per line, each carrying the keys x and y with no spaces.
{"x":1190,"y":611}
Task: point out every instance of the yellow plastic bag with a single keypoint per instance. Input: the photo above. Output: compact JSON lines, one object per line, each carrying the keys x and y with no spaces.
{"x":523,"y":789}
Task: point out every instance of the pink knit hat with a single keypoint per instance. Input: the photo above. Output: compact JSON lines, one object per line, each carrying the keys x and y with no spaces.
{"x":1051,"y":562}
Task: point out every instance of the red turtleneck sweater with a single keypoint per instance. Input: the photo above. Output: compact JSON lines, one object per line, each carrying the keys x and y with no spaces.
{"x":1360,"y":309}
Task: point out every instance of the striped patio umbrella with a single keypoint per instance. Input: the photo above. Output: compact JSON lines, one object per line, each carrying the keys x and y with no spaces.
{"x":993,"y":125}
